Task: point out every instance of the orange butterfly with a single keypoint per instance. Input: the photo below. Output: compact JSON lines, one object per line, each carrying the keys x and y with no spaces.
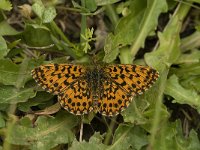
{"x":105,"y":89}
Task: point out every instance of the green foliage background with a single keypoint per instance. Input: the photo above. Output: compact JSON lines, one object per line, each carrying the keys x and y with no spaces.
{"x":165,"y":117}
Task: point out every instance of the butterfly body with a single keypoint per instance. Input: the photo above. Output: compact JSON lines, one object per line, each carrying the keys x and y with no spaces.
{"x":107,"y":89}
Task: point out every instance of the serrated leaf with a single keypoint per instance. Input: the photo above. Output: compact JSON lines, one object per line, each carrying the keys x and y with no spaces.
{"x":47,"y":133}
{"x":5,"y":5}
{"x":169,"y":50}
{"x":135,"y":27}
{"x":148,"y":22}
{"x":95,"y":143}
{"x":182,"y":95}
{"x":129,"y":137}
{"x":134,"y":113}
{"x":12,"y":95}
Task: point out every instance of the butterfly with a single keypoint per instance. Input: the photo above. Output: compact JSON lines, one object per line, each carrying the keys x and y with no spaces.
{"x":107,"y":89}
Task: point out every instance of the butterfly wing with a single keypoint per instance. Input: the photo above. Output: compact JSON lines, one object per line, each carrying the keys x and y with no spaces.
{"x":134,"y":79}
{"x":67,"y":81}
{"x":114,"y":99}
{"x":55,"y":78}
{"x":121,"y":84}
{"x":77,"y":98}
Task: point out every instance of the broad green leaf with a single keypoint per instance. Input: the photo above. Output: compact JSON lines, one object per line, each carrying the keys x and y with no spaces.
{"x":129,"y":137}
{"x":12,"y":95}
{"x":95,"y":143}
{"x":40,"y":98}
{"x":91,"y":5}
{"x":171,"y":137}
{"x":182,"y":95}
{"x":134,"y":112}
{"x":47,"y":133}
{"x":12,"y":74}
{"x":37,"y":35}
{"x":3,"y":48}
{"x":5,"y":5}
{"x":6,"y":29}
{"x":38,"y":8}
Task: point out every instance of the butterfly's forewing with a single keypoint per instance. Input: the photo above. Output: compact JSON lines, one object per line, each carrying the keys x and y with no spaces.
{"x":55,"y":78}
{"x":134,"y":79}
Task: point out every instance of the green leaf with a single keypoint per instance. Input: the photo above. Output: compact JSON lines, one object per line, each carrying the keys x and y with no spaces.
{"x":193,"y":57}
{"x":40,"y":98}
{"x":12,"y":95}
{"x":190,"y":42}
{"x":95,"y":143}
{"x":48,"y":15}
{"x":38,"y":8}
{"x":47,"y":133}
{"x":111,"y":50}
{"x":182,"y":95}
{"x":12,"y":74}
{"x":105,"y":2}
{"x":37,"y":35}
{"x":148,"y":23}
{"x":171,"y":137}
{"x":135,"y":27}
{"x":193,"y":141}
{"x":5,"y":5}
{"x":6,"y":29}
{"x":3,"y":49}
{"x":45,"y":14}
{"x":134,"y":113}
{"x":2,"y":121}
{"x":91,"y":5}
{"x":162,"y":58}
{"x":129,"y":137}
{"x":169,"y":50}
